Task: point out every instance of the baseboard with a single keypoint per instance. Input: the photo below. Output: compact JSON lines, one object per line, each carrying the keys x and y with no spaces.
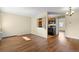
{"x":13,"y":35}
{"x":72,"y":37}
{"x":21,"y":35}
{"x":39,"y":36}
{"x":8,"y":36}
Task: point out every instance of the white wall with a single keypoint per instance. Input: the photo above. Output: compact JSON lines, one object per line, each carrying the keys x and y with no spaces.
{"x":57,"y":26}
{"x":35,"y":29}
{"x":15,"y":25}
{"x":72,"y":26}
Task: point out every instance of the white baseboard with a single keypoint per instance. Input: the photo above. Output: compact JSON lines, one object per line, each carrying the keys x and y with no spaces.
{"x":74,"y":37}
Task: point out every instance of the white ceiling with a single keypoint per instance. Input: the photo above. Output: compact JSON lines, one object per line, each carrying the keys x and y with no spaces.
{"x":33,"y":11}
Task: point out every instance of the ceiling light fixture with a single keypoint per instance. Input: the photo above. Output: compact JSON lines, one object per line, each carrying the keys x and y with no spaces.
{"x":70,"y":12}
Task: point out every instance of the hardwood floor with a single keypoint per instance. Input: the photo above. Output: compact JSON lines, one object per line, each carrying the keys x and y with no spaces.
{"x":33,"y":43}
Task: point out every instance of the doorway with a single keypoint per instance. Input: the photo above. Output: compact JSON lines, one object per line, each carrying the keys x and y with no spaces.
{"x":61,"y":27}
{"x":51,"y":26}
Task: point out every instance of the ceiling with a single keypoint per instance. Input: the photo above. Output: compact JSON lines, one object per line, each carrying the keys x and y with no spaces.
{"x":33,"y":11}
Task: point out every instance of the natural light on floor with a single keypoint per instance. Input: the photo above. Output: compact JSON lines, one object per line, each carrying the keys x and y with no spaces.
{"x":62,"y":37}
{"x":26,"y":38}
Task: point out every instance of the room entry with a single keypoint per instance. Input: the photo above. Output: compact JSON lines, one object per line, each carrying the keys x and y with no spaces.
{"x":51,"y":26}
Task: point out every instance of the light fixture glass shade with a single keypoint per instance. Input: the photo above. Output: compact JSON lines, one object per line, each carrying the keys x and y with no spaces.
{"x":67,"y":13}
{"x":70,"y":12}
